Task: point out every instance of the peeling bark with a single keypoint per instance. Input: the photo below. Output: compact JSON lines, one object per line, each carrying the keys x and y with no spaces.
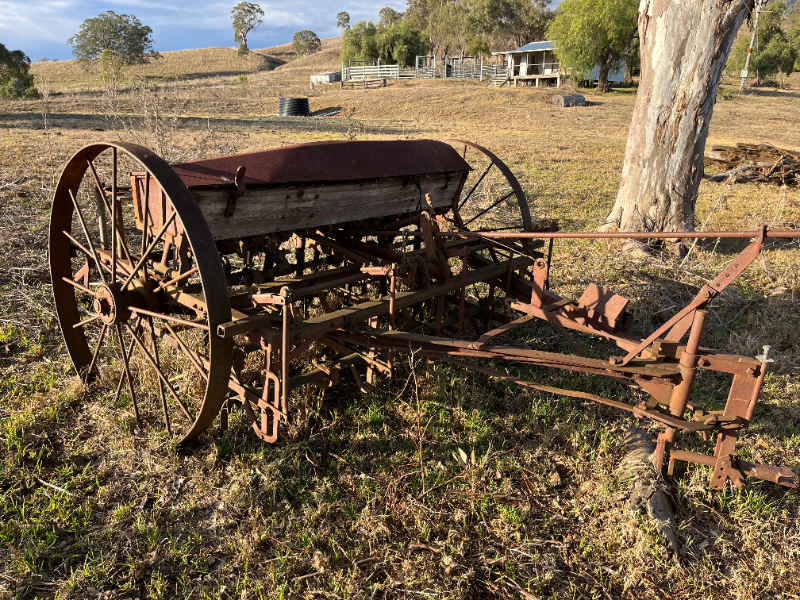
{"x":684,"y":48}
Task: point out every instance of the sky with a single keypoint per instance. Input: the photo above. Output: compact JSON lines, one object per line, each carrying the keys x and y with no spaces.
{"x":41,"y":28}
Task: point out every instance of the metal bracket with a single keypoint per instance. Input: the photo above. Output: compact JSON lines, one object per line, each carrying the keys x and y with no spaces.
{"x":234,"y":197}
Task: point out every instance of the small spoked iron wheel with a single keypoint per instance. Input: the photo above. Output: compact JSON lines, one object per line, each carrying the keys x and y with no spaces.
{"x":139,"y":287}
{"x":492,"y":199}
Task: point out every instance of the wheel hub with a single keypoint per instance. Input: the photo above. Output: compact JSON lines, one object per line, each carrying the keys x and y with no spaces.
{"x":109,"y":303}
{"x":113,"y":304}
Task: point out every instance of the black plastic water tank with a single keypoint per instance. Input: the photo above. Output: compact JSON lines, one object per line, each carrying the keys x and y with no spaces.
{"x":293,"y":107}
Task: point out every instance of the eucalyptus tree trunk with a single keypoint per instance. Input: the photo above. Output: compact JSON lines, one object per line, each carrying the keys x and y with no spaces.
{"x":684,"y":47}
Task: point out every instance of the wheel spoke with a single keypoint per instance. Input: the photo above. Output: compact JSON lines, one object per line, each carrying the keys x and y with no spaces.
{"x":149,"y":249}
{"x":78,"y":245}
{"x":114,"y":204}
{"x":104,"y":198}
{"x":126,"y":373}
{"x":186,"y":351}
{"x":142,"y":311}
{"x":484,"y":211}
{"x":166,"y":284}
{"x":86,"y":233}
{"x":148,"y":357}
{"x":87,"y":321}
{"x":160,"y":384}
{"x":120,"y":231}
{"x":119,"y":384}
{"x":77,"y":285}
{"x":474,"y":187}
{"x":97,"y":349}
{"x":145,"y":216}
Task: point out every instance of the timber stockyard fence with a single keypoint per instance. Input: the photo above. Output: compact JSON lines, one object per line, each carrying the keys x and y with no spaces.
{"x":371,"y":72}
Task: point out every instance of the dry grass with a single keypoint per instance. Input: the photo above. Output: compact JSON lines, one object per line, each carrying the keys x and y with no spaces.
{"x":204,"y":65}
{"x":340,"y":510}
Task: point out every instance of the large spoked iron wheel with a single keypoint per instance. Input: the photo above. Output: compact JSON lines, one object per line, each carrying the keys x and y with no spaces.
{"x":492,"y":199}
{"x":139,"y":287}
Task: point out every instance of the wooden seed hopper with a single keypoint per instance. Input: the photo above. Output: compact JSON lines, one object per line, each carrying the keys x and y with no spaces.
{"x":244,"y":277}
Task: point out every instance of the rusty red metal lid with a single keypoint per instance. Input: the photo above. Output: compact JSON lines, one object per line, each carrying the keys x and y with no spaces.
{"x":325,"y":161}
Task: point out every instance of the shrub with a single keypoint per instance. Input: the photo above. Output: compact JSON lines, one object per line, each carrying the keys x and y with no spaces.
{"x":16,"y":82}
{"x":17,"y":89}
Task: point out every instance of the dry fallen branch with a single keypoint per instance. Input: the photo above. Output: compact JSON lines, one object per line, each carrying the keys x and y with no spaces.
{"x":758,"y":163}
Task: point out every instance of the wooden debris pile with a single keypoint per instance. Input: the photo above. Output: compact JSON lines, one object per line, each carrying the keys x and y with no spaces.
{"x":761,"y":163}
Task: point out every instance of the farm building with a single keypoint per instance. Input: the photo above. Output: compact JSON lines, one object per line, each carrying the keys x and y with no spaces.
{"x":331,"y":77}
{"x":535,"y":62}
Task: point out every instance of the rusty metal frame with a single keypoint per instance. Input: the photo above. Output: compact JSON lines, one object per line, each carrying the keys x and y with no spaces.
{"x":401,"y":285}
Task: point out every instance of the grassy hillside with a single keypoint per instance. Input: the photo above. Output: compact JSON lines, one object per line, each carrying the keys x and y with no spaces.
{"x":208,"y":64}
{"x":327,"y":59}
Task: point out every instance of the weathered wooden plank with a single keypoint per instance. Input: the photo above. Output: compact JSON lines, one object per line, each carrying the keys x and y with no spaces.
{"x":293,"y":207}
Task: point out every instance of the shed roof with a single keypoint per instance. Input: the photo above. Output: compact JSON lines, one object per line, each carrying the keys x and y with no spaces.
{"x":532,"y":47}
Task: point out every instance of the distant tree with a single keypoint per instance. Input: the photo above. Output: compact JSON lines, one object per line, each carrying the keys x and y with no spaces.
{"x":360,"y":42}
{"x":446,"y":23}
{"x":389,"y":16}
{"x":305,"y":42}
{"x":477,"y":47}
{"x":452,"y":25}
{"x":778,"y":57}
{"x":246,"y":17}
{"x":528,"y":20}
{"x":634,"y":62}
{"x":16,"y":82}
{"x":587,"y":33}
{"x":114,"y":40}
{"x":343,"y":20}
{"x":794,"y":32}
{"x":775,"y":51}
{"x":400,"y":43}
{"x":483,"y":18}
{"x":449,"y":27}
